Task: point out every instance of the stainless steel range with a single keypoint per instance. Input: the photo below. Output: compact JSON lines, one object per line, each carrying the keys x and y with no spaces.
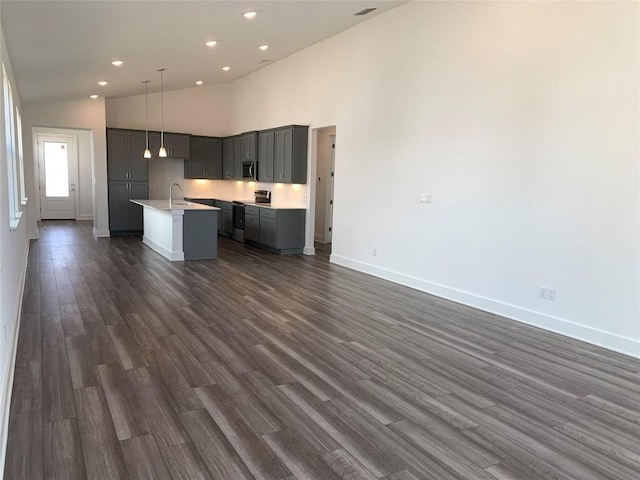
{"x":262,"y":196}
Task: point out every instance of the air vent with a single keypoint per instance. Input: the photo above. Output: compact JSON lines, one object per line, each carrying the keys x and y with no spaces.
{"x":265,"y":60}
{"x":365,"y":11}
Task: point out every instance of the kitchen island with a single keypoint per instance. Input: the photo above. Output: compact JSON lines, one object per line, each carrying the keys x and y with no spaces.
{"x":180,"y":230}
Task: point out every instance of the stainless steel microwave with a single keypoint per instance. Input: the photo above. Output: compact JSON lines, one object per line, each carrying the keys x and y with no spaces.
{"x":249,"y":170}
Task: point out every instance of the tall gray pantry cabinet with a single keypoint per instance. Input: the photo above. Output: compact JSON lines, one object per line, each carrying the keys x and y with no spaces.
{"x":127,"y":172}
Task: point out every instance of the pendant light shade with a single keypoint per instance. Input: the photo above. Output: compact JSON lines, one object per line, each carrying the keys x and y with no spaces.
{"x":147,"y":152}
{"x":163,"y":152}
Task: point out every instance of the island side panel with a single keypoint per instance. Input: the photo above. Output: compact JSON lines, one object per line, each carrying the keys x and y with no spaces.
{"x":163,"y":232}
{"x":200,"y":234}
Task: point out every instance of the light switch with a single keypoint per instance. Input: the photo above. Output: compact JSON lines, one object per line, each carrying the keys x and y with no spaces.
{"x":425,"y":198}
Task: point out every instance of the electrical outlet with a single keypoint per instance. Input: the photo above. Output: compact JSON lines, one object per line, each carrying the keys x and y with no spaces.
{"x":375,"y":252}
{"x":543,"y":293}
{"x":425,"y":198}
{"x":552,"y":295}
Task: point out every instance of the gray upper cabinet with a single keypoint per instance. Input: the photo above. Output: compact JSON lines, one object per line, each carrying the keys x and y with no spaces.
{"x":265,"y":155}
{"x":205,"y":158}
{"x":227,"y":158}
{"x":290,"y":154}
{"x":176,"y":144}
{"x":237,"y":157}
{"x":249,"y":146}
{"x":125,"y":150}
{"x":127,"y":170}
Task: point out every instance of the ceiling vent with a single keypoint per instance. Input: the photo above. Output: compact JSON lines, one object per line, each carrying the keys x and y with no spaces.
{"x":365,"y":11}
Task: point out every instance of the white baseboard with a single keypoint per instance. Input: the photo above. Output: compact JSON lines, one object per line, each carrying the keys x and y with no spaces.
{"x":617,"y":343}
{"x":173,"y":256}
{"x":34,"y":235}
{"x":8,"y":380}
{"x":84,"y":218}
{"x":309,"y":251}
{"x":100,"y":233}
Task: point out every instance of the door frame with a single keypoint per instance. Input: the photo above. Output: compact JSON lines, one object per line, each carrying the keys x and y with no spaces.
{"x":73,"y":164}
{"x":328,"y":226}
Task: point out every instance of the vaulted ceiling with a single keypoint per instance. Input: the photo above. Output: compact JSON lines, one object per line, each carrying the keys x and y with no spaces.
{"x":60,"y":50}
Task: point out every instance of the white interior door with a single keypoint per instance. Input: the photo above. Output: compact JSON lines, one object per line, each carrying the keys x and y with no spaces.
{"x":329,"y":232}
{"x":57,"y":161}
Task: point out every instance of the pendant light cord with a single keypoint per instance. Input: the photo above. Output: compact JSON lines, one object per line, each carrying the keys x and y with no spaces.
{"x":161,"y":109}
{"x":146,"y":109}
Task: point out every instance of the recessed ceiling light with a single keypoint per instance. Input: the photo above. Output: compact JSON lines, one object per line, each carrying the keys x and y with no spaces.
{"x":249,"y":14}
{"x":102,"y":83}
{"x":199,"y":82}
{"x":211,"y":43}
{"x":93,"y":96}
{"x":117,"y":63}
{"x":263,"y":47}
{"x":226,"y":69}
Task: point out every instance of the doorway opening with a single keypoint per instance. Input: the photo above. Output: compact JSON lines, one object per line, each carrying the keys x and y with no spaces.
{"x":57,"y":166}
{"x":324,"y":183}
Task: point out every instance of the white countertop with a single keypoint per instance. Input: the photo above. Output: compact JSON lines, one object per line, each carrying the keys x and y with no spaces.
{"x":274,"y":205}
{"x":277,"y":206}
{"x":176,"y":205}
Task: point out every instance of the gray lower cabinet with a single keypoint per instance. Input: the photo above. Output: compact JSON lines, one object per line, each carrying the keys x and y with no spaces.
{"x":251,"y":224}
{"x":126,"y":217}
{"x":226,"y":218}
{"x":277,"y":230}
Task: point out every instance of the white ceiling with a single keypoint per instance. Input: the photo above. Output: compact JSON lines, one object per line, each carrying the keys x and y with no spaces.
{"x":59,"y":50}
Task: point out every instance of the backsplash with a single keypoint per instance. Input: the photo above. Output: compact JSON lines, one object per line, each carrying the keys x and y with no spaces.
{"x":239,"y":190}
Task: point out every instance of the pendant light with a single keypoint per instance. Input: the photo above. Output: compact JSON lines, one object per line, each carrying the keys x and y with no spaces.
{"x":163,"y":152}
{"x":147,"y":152}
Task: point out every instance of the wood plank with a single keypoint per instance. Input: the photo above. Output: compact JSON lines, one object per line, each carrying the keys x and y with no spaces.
{"x":184,"y":462}
{"x":63,"y":450}
{"x":257,"y":456}
{"x":72,"y":323}
{"x":144,"y":460}
{"x":218,"y":454}
{"x":161,"y":416}
{"x":128,"y":351}
{"x":57,"y":402}
{"x":102,"y":453}
{"x":126,"y":413}
{"x":81,"y":362}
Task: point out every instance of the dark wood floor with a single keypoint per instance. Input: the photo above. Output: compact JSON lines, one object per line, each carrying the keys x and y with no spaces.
{"x":268,"y":367}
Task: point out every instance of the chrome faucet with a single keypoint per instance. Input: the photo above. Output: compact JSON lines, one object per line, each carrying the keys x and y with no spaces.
{"x":171,"y":192}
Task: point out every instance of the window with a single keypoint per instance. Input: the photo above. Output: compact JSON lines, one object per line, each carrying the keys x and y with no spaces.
{"x":23,"y":191}
{"x":12,"y":155}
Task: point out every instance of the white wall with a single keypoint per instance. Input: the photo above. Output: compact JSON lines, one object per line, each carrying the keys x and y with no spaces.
{"x":88,"y":115}
{"x":14,"y":246}
{"x":200,"y":111}
{"x":521,"y":119}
